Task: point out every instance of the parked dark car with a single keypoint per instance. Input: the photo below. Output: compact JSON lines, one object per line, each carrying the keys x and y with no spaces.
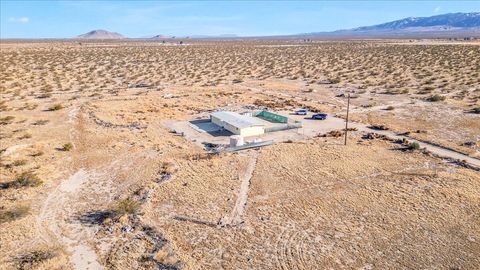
{"x":301,"y":112}
{"x":319,"y":116}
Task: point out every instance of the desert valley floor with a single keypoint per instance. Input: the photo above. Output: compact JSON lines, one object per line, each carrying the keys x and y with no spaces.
{"x":92,"y":177}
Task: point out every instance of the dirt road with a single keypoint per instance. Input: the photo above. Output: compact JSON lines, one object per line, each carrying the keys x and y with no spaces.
{"x":336,"y":123}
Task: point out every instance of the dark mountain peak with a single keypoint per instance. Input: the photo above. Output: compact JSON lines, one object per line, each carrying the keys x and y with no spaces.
{"x":159,"y":37}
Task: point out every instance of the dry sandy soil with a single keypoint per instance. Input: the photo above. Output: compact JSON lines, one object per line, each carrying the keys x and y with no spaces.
{"x":90,"y":178}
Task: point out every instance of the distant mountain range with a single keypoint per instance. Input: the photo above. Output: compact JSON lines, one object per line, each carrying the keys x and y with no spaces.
{"x":104,"y":34}
{"x":439,"y":26}
{"x":445,"y":25}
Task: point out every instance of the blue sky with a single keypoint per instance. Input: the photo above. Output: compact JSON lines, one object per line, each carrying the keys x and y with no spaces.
{"x":62,"y":19}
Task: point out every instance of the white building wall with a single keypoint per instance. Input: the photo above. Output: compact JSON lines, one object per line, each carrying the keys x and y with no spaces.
{"x":252,"y":131}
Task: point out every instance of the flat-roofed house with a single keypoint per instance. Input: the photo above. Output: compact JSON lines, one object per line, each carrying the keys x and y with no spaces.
{"x":238,"y":124}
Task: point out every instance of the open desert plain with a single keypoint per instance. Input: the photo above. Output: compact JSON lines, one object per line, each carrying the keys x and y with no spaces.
{"x":100,"y":168}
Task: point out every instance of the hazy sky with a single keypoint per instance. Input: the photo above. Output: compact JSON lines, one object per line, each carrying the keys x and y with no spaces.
{"x":59,"y":19}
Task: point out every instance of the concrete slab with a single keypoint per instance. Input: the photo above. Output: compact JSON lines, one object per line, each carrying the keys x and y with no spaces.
{"x":202,"y":131}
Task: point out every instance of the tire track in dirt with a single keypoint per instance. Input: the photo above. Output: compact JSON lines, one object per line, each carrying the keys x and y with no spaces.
{"x":293,"y":249}
{"x":58,"y":217}
{"x":85,"y":189}
{"x":236,"y":217}
{"x":56,"y":221}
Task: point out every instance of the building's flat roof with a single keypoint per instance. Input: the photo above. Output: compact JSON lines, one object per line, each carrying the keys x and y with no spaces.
{"x":237,"y":120}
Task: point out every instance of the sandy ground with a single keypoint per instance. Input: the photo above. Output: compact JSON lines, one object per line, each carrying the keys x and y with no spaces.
{"x":71,"y":117}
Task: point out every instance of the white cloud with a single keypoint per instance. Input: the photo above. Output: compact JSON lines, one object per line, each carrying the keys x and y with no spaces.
{"x":19,"y":20}
{"x":437,"y":9}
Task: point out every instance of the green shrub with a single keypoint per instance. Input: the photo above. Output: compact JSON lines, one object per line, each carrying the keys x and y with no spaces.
{"x":14,"y":214}
{"x":413,"y":146}
{"x":127,"y":207}
{"x":67,"y":147}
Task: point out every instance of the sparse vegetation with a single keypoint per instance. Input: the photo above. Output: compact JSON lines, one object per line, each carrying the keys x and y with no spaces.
{"x":413,"y":146}
{"x":37,"y":153}
{"x":6,"y":120}
{"x":378,"y":127}
{"x":31,"y":259}
{"x":127,"y":207}
{"x":26,"y":179}
{"x":56,"y":107}
{"x":25,"y":136}
{"x":14,"y":214}
{"x":67,"y":147}
{"x":475,"y":110}
{"x":40,"y":122}
{"x":436,"y":98}
{"x":19,"y":162}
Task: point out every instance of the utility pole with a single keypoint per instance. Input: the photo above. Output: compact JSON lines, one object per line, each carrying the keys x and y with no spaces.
{"x":346,"y":122}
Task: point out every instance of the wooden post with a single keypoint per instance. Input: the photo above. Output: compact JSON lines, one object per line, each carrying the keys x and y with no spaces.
{"x":346,"y":122}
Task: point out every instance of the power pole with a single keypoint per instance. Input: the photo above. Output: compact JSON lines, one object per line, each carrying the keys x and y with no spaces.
{"x":346,"y":122}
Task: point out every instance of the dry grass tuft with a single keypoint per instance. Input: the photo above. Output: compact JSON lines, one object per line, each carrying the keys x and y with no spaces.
{"x":127,"y":207}
{"x":26,"y":179}
{"x":14,"y":214}
{"x":31,"y":259}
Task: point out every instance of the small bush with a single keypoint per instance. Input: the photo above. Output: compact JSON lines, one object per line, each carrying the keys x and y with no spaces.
{"x":25,"y":136}
{"x":56,"y":107}
{"x":67,"y":147}
{"x":436,"y":98}
{"x":40,"y":122}
{"x":45,"y":95}
{"x":26,"y":179}
{"x":37,"y":154}
{"x":390,"y":108}
{"x":14,"y":214}
{"x":19,"y":162}
{"x":475,"y":110}
{"x":378,"y":127}
{"x":30,"y":259}
{"x":127,"y":207}
{"x":168,"y":167}
{"x":335,"y":80}
{"x":6,"y":120}
{"x":413,"y":146}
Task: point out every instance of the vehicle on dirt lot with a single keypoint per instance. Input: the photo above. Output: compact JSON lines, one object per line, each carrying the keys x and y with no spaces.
{"x":301,"y":112}
{"x":319,"y":116}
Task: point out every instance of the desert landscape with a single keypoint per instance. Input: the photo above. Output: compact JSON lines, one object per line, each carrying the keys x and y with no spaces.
{"x":93,"y":176}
